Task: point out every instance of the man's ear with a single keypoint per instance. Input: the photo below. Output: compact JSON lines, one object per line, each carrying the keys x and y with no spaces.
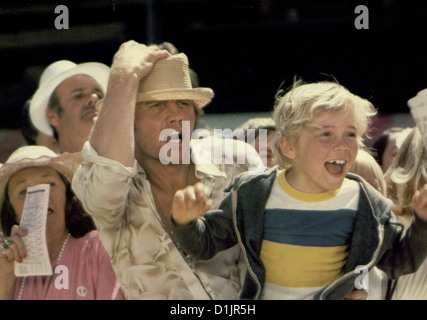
{"x":52,"y":117}
{"x":287,"y":147}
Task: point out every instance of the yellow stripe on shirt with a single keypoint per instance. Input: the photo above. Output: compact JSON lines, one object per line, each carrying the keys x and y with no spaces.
{"x":302,"y":196}
{"x":302,"y":266}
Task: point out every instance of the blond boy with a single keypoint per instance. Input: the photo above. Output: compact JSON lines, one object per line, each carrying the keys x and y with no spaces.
{"x":308,"y":229}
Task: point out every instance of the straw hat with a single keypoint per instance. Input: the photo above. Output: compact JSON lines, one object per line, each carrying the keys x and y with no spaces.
{"x":170,"y":80}
{"x":37,"y":156}
{"x":52,"y":77}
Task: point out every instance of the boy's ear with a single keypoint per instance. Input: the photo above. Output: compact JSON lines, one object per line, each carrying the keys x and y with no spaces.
{"x":287,"y":147}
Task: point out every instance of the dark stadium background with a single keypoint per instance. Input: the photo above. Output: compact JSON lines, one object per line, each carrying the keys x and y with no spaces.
{"x":245,"y":50}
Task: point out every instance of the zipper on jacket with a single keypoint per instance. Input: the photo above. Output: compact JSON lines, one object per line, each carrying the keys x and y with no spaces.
{"x":251,"y":272}
{"x":375,"y":256}
{"x":351,"y":273}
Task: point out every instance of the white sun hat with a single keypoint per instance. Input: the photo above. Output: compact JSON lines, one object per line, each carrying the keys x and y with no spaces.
{"x":52,"y":77}
{"x":38,"y":156}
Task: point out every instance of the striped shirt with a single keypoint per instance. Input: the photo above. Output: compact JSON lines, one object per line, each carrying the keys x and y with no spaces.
{"x":306,"y":238}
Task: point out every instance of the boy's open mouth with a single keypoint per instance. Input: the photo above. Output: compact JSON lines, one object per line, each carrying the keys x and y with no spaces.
{"x":335,"y":166}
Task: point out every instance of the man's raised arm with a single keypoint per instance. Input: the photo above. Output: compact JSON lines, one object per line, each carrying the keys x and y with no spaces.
{"x":113,"y":133}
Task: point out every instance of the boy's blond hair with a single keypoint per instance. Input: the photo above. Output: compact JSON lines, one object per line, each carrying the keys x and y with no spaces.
{"x":305,"y":101}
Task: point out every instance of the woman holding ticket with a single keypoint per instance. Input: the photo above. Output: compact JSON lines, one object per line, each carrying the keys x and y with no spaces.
{"x":49,"y":248}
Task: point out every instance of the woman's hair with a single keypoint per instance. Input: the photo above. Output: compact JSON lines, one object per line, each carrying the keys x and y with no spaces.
{"x":77,"y":221}
{"x":305,"y":101}
{"x":380,"y":143}
{"x":407,"y":172}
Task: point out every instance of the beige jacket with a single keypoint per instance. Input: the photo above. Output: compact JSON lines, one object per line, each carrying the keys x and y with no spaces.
{"x":145,"y":259}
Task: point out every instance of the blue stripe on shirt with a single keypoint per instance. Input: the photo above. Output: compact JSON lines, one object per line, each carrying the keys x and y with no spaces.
{"x":309,"y":228}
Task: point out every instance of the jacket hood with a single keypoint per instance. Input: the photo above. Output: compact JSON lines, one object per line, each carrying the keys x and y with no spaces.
{"x":381,"y":204}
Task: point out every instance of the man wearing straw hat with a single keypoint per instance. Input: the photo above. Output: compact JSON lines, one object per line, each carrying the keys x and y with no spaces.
{"x":63,"y":106}
{"x":125,"y":185}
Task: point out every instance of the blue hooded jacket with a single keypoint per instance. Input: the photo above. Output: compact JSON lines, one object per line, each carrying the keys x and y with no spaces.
{"x":376,"y":241}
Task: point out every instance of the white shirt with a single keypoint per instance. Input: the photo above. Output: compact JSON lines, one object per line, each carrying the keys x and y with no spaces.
{"x":145,"y":259}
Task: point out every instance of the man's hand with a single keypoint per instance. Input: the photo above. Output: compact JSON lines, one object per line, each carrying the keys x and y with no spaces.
{"x":113,"y":133}
{"x":190,"y":203}
{"x":136,"y":59}
{"x":419,"y":203}
{"x":357,"y":294}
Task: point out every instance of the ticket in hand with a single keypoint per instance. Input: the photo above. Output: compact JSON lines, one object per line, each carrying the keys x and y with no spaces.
{"x":34,"y":216}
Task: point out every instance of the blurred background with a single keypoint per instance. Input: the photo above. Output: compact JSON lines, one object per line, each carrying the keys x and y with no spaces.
{"x":245,"y":50}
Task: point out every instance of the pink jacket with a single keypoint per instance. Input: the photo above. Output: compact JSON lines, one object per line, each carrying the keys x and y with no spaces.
{"x":84,"y":273}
